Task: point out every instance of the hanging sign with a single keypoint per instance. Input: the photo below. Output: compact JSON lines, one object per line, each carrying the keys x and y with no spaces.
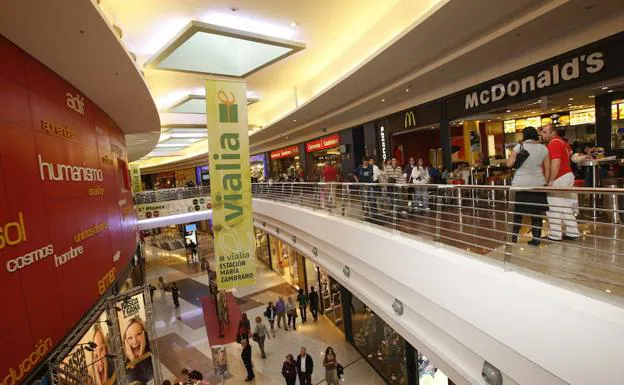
{"x":323,"y":143}
{"x":285,"y":152}
{"x":230,"y":183}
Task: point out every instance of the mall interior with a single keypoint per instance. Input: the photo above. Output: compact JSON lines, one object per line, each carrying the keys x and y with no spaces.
{"x":172,"y":168}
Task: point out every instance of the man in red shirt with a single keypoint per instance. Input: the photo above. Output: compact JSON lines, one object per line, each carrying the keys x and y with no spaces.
{"x":330,"y":174}
{"x":561,"y":204}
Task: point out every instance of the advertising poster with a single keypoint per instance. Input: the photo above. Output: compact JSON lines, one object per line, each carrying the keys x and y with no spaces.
{"x":230,"y":183}
{"x":164,"y":208}
{"x":135,"y":178}
{"x":135,"y":342}
{"x":98,"y":359}
{"x":219,"y":359}
{"x":457,"y":149}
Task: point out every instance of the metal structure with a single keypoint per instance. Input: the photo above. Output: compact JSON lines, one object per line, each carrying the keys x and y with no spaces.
{"x":476,"y":218}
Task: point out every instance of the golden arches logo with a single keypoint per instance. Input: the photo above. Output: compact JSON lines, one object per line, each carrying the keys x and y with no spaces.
{"x":410,"y":119}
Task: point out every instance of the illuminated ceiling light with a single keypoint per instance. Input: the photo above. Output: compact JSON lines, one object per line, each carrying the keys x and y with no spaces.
{"x":571,"y":99}
{"x":591,"y":96}
{"x":211,"y":49}
{"x":383,"y":100}
{"x":552,"y":109}
{"x":170,"y":145}
{"x":610,"y":91}
{"x":166,"y":32}
{"x":250,"y":25}
{"x":499,"y":117}
{"x":295,"y":120}
{"x":608,"y":291}
{"x":569,"y":104}
{"x":508,"y":111}
{"x":605,"y":88}
{"x":407,"y":89}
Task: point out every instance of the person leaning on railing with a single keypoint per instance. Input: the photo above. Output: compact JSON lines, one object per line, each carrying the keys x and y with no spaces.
{"x":394,"y":174}
{"x":534,"y":170}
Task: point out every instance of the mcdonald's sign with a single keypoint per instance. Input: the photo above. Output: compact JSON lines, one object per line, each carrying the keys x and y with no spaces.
{"x":410,"y":119}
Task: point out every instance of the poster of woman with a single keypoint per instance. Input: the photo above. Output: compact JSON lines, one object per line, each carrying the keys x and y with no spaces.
{"x":135,"y":341}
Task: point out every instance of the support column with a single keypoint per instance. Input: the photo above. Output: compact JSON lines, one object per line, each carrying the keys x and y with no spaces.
{"x":445,"y":139}
{"x":346,"y":297}
{"x":411,"y":364}
{"x":603,"y":120}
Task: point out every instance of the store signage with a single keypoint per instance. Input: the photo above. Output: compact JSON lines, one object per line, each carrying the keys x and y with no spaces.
{"x":230,"y":185}
{"x":135,"y":178}
{"x":555,"y":73}
{"x":410,"y":119}
{"x":76,"y":102}
{"x":165,"y":208}
{"x":583,"y":66}
{"x":509,"y":126}
{"x":584,"y":116}
{"x":285,"y":152}
{"x":323,"y":143}
{"x":45,"y":202}
{"x":382,"y":140}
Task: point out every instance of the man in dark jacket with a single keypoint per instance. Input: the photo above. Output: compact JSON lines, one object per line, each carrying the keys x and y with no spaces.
{"x":314,"y":302}
{"x":305,"y":365}
{"x":246,"y":356}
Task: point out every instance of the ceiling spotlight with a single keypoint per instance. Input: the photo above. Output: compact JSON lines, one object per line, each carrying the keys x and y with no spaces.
{"x":489,"y":120}
{"x":383,"y":100}
{"x":407,"y":89}
{"x":608,"y":291}
{"x":605,"y":88}
{"x":499,"y":117}
{"x":571,"y":99}
{"x":295,"y":120}
{"x":610,"y":91}
{"x":508,"y":111}
{"x":293,"y":24}
{"x":552,"y":109}
{"x":591,"y":96}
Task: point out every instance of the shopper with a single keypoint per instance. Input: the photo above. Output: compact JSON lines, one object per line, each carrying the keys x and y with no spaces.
{"x":162,"y":288}
{"x":331,"y":365}
{"x":534,"y":171}
{"x":186,"y":378}
{"x":152,"y":289}
{"x":561,"y":205}
{"x":330,"y":175}
{"x":270,"y":314}
{"x":302,"y":301}
{"x":193,"y":248}
{"x":394,"y":175}
{"x":280,"y":308}
{"x":175,"y":294}
{"x":377,"y":178}
{"x":420,"y":176}
{"x":305,"y":366}
{"x":260,"y":334}
{"x":244,"y":328}
{"x":246,"y":357}
{"x":313,"y":297}
{"x":291,"y":310}
{"x":407,"y":178}
{"x":289,"y":370}
{"x":364,"y":174}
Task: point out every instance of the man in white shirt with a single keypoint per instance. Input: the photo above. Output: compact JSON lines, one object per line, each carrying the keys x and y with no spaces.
{"x":376,"y":170}
{"x":375,"y":190}
{"x":304,"y":365}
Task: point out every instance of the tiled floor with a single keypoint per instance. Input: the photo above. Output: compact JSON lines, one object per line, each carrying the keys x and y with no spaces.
{"x":183,"y":342}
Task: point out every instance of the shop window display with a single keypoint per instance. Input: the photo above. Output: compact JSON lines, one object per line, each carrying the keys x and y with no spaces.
{"x":330,"y":298}
{"x":429,"y":374}
{"x":288,"y":263}
{"x":262,"y":250}
{"x":382,"y":347}
{"x":320,"y":151}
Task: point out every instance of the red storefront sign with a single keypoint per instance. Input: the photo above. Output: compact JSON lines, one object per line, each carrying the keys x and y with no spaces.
{"x":285,"y":152}
{"x":66,"y":223}
{"x":323,"y":143}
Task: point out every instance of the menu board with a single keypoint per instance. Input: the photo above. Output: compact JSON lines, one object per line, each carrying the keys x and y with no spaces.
{"x":584,"y":116}
{"x":534,"y":121}
{"x":67,"y":224}
{"x":509,"y":126}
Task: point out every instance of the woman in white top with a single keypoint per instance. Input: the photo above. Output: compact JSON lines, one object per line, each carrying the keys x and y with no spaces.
{"x":534,"y":172}
{"x":420,"y":175}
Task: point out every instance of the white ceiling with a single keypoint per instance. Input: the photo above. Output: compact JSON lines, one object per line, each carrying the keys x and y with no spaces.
{"x":339,"y":36}
{"x":93,"y":61}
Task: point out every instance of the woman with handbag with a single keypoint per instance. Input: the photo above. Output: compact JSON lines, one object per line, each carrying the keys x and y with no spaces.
{"x":532,"y":163}
{"x":289,"y":370}
{"x":260,"y":334}
{"x":244,"y":327}
{"x":271,"y":313}
{"x":331,"y":366}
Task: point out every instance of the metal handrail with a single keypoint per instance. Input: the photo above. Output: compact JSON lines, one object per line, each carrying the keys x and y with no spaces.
{"x":477,"y":218}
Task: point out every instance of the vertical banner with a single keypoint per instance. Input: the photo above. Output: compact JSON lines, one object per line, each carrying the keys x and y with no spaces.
{"x":230,"y":183}
{"x":135,"y":178}
{"x":135,"y":342}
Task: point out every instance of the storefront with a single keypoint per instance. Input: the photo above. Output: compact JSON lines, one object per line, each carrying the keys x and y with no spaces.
{"x":320,"y":151}
{"x":262,"y":247}
{"x":186,"y":178}
{"x":287,"y":262}
{"x":203,"y":175}
{"x":285,"y":162}
{"x":164,"y":180}
{"x":258,"y":167}
{"x":331,"y":302}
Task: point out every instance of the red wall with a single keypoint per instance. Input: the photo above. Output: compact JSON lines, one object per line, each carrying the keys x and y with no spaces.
{"x":42,"y":302}
{"x":417,"y":144}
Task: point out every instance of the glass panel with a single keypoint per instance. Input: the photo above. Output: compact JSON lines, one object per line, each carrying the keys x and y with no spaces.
{"x":191,"y":106}
{"x":224,"y":55}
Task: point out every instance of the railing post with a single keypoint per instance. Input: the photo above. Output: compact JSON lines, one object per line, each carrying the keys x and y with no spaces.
{"x":510,"y":196}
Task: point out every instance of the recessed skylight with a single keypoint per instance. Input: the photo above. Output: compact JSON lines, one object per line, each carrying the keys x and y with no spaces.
{"x":195,"y":104}
{"x":214,"y":50}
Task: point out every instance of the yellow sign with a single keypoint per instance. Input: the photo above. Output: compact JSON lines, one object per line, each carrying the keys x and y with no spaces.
{"x":584,"y":116}
{"x":230,"y":183}
{"x":183,"y":177}
{"x":410,"y":119}
{"x":135,"y":178}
